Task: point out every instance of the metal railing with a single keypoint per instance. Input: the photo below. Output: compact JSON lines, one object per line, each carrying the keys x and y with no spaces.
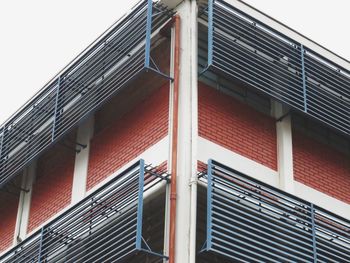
{"x":98,"y":74}
{"x":254,"y":54}
{"x":106,"y":226}
{"x":251,"y":221}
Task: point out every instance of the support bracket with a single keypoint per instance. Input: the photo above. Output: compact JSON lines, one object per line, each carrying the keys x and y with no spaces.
{"x":11,"y":188}
{"x":77,"y":150}
{"x":283,"y":116}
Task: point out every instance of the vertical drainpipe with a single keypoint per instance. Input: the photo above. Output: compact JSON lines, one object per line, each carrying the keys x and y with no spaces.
{"x":174,"y":142}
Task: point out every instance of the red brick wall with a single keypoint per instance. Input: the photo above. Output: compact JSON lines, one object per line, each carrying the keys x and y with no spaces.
{"x":53,"y":185}
{"x":237,"y":126}
{"x":8,"y":215}
{"x":321,"y":167}
{"x":129,"y":136}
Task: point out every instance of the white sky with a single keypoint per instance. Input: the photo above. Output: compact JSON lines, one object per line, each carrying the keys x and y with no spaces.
{"x":39,"y":37}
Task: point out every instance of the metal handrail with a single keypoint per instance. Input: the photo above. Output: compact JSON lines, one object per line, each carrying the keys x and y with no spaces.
{"x":252,"y":221}
{"x":114,"y":60}
{"x":258,"y":56}
{"x":106,"y":225}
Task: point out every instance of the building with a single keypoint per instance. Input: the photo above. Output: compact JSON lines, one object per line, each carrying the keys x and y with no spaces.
{"x":189,"y":132}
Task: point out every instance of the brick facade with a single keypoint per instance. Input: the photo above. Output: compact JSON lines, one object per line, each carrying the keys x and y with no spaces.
{"x":128,"y":136}
{"x":237,"y":126}
{"x":8,"y":214}
{"x":53,"y":185}
{"x":321,"y":167}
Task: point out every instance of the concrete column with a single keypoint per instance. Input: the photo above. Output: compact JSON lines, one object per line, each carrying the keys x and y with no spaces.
{"x":184,"y":158}
{"x":23,"y":213}
{"x":284,"y":147}
{"x":84,"y":135}
{"x":194,"y":130}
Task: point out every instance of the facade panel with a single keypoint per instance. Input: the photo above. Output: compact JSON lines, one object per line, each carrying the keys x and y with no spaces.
{"x":237,"y":127}
{"x":249,"y":221}
{"x":8,"y":213}
{"x":128,"y":136}
{"x":321,"y":167}
{"x":109,"y":225}
{"x":53,"y":185}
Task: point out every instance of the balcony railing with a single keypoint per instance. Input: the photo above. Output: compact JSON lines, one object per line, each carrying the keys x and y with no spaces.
{"x":118,"y":57}
{"x":106,"y":226}
{"x":249,"y":221}
{"x":252,"y":53}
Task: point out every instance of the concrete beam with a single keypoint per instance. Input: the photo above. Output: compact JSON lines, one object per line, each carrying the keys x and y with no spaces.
{"x":171,"y":3}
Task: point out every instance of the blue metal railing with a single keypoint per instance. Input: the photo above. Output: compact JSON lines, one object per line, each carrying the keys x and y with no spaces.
{"x":254,"y":54}
{"x":250,"y":221}
{"x":109,"y":65}
{"x":106,"y":226}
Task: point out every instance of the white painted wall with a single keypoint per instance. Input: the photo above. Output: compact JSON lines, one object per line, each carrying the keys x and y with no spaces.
{"x":209,"y":150}
{"x":322,"y":200}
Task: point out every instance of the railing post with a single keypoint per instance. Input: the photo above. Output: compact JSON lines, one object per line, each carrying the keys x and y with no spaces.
{"x":55,"y":117}
{"x":209,"y":205}
{"x":210,"y":31}
{"x":1,"y":142}
{"x":41,"y":244}
{"x":313,"y":232}
{"x":2,"y":139}
{"x":3,"y":151}
{"x":140,"y":206}
{"x":302,"y":51}
{"x":148,"y":33}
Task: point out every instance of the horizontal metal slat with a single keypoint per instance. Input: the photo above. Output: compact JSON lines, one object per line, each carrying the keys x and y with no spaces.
{"x":245,"y":65}
{"x":260,"y":198}
{"x":252,"y":53}
{"x":243,"y":225}
{"x":257,"y":37}
{"x":272,"y":245}
{"x":104,"y":226}
{"x":266,"y":221}
{"x":93,"y":78}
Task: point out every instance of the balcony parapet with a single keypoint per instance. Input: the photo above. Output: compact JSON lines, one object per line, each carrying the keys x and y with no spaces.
{"x":251,"y":221}
{"x":256,"y":55}
{"x":106,"y":226}
{"x":115,"y":59}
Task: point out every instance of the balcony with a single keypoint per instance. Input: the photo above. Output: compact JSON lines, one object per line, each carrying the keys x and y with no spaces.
{"x":242,"y":49}
{"x":123,"y":221}
{"x":118,"y":57}
{"x":249,"y":221}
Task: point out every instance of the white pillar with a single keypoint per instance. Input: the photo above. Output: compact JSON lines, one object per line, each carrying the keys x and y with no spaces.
{"x":284,"y":147}
{"x":84,"y":135}
{"x":194,"y":130}
{"x":184,"y":158}
{"x":25,"y":198}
